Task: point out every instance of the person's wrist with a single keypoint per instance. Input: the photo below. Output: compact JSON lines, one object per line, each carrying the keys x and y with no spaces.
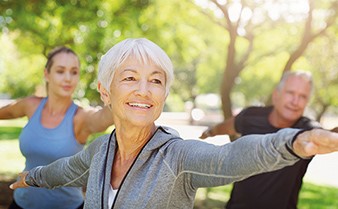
{"x":24,"y":178}
{"x":297,"y":145}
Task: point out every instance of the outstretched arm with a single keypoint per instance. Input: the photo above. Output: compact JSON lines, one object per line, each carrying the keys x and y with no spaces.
{"x":226,"y":127}
{"x":68,"y":171}
{"x":17,"y":109}
{"x":254,"y":154}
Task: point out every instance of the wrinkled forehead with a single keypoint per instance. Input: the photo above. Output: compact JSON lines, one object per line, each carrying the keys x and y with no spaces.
{"x":297,"y":86}
{"x":143,"y":59}
{"x":298,"y":81}
{"x":133,"y":62}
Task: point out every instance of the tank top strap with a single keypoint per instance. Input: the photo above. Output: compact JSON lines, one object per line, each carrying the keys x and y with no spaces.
{"x":67,"y":122}
{"x":71,"y":110}
{"x":37,"y":114}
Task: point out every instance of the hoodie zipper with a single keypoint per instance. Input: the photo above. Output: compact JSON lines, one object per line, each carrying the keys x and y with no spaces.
{"x":124,"y":178}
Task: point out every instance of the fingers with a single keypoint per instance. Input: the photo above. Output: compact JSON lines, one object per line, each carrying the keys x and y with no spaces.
{"x":21,"y":181}
{"x":329,"y":143}
{"x":316,"y":141}
{"x":204,"y":135}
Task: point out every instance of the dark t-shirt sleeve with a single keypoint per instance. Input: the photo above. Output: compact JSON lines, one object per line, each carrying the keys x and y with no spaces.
{"x":306,"y":123}
{"x":239,"y":120}
{"x":254,"y":120}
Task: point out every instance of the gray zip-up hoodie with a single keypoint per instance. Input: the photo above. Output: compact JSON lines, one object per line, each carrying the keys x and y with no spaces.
{"x":168,"y":170}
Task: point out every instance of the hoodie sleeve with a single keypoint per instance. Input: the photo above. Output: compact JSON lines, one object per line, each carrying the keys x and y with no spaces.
{"x":68,"y":171}
{"x":212,"y":165}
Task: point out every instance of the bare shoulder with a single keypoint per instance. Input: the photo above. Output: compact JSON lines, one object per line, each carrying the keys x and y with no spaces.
{"x":33,"y":100}
{"x":83,"y":113}
{"x":84,"y":123}
{"x":31,"y":103}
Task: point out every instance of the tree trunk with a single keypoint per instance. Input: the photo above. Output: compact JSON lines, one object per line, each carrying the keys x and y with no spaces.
{"x":321,"y":112}
{"x":230,"y":73}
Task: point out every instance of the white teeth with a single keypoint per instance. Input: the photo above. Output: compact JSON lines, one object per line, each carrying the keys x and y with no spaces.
{"x":139,"y":105}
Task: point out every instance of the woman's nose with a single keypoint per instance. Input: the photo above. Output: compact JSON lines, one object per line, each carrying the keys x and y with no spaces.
{"x":68,"y":76}
{"x":143,"y":88}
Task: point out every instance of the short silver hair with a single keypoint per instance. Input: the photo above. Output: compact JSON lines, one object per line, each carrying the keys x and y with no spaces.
{"x":143,"y":50}
{"x":299,"y":73}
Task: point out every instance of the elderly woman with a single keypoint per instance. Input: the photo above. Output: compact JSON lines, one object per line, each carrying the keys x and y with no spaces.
{"x":140,"y":165}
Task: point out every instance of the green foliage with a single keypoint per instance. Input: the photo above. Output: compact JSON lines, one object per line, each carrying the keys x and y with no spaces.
{"x":89,"y":27}
{"x":322,"y":61}
{"x":191,"y":32}
{"x":174,"y":103}
{"x":318,"y":197}
{"x":257,"y":81}
{"x":311,"y":196}
{"x":185,"y":52}
{"x":21,"y":73}
{"x":9,"y":133}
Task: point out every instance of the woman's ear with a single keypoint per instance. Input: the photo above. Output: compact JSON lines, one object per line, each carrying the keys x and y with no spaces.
{"x":104,"y":94}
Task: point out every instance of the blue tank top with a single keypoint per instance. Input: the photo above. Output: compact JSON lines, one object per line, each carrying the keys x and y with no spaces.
{"x":42,"y":146}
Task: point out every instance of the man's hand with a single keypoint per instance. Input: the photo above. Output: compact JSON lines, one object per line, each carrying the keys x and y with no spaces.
{"x":20,"y":183}
{"x":316,"y":141}
{"x":207,"y":133}
{"x":335,"y":129}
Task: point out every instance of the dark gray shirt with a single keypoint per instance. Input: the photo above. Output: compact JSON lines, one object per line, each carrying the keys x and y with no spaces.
{"x":273,"y":190}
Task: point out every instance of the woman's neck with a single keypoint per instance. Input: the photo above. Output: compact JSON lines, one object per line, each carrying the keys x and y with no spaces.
{"x":56,"y":106}
{"x":132,"y":140}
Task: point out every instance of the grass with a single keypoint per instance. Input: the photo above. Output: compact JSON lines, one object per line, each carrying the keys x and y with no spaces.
{"x":9,"y":133}
{"x":312,"y":196}
{"x":11,"y":159}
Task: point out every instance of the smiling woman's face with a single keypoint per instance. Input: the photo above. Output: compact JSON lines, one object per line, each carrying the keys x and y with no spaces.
{"x":138,"y":93}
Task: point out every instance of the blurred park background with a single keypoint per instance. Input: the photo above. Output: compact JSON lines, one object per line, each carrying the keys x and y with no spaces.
{"x":227,"y":54}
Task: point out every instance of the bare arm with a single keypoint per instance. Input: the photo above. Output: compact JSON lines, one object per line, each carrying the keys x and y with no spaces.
{"x":99,"y":120}
{"x":20,"y":108}
{"x":92,"y":120}
{"x":226,"y":127}
{"x":12,"y":110}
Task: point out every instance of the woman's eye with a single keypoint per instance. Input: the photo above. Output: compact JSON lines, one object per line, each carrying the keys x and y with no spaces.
{"x":158,"y":81}
{"x":129,"y":79}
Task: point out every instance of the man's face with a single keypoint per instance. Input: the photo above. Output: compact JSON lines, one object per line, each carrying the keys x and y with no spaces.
{"x":290,"y":101}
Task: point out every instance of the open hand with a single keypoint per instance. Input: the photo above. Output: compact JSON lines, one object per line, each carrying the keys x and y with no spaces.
{"x":206,"y":134}
{"x":335,"y":129}
{"x":20,"y":183}
{"x":316,"y":141}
